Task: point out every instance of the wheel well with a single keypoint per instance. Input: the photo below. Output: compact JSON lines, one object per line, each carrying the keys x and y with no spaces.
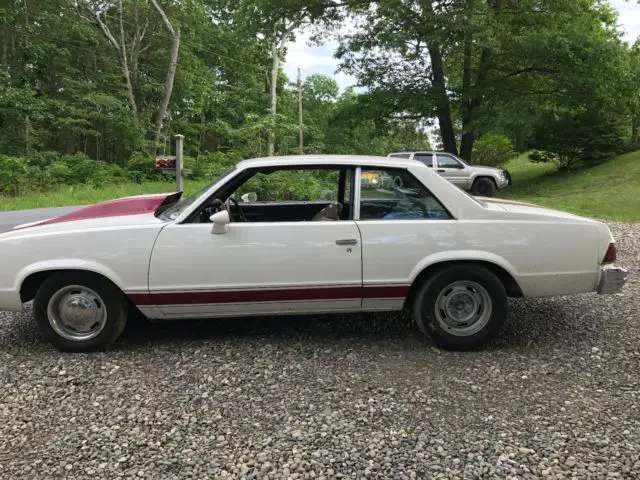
{"x":487,"y":177}
{"x":511,"y":286}
{"x":32,"y":283}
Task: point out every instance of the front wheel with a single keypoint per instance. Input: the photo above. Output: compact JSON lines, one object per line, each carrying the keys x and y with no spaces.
{"x":483,"y":187}
{"x":79,"y":311}
{"x":461,"y":307}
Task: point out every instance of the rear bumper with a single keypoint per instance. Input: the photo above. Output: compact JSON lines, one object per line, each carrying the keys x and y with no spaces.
{"x":612,"y":279}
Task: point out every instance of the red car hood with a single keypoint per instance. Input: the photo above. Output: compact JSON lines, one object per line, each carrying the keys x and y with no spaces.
{"x":135,"y":205}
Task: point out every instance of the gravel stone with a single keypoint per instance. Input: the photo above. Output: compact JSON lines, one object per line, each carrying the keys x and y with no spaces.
{"x":556,"y":396}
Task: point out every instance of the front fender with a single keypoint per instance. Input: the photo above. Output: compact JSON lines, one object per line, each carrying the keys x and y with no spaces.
{"x":68,"y":264}
{"x":462,"y":255}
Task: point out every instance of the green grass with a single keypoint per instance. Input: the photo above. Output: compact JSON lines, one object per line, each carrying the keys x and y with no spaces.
{"x":610,"y":191}
{"x":607,"y":191}
{"x":84,"y":194}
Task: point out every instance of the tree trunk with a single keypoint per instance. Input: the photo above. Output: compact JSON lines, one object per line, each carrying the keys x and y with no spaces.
{"x":635,"y":129}
{"x":125,"y":62}
{"x":273,"y":98}
{"x":466,"y":143}
{"x":5,"y":49}
{"x":171,"y":73}
{"x":120,"y":49}
{"x":443,"y":108}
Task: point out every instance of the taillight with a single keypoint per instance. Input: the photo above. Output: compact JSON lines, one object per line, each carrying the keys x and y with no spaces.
{"x":610,"y":256}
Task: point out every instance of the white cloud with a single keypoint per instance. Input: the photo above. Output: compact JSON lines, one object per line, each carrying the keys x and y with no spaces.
{"x":628,"y":18}
{"x":319,"y":59}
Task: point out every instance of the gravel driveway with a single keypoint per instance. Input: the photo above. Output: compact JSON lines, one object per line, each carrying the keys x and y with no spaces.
{"x":557,"y":396}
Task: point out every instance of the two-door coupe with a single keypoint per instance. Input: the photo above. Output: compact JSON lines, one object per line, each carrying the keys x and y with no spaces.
{"x":305,"y":234}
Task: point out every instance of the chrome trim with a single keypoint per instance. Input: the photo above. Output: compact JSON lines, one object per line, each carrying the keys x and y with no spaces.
{"x":76,"y":313}
{"x":356,"y":194}
{"x":612,"y":279}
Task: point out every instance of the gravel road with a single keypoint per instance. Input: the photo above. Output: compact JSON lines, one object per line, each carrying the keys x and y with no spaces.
{"x":556,"y":396}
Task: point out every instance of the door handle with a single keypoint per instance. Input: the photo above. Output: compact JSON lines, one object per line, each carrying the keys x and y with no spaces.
{"x":441,"y":170}
{"x":347,"y":241}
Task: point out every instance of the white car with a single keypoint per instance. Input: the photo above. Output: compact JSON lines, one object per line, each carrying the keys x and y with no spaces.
{"x":477,"y":179}
{"x":264,"y":239}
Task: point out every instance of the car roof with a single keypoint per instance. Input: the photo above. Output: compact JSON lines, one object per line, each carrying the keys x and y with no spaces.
{"x":422,"y":151}
{"x":293,"y":160}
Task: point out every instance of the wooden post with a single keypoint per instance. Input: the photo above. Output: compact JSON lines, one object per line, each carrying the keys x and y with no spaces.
{"x":300,"y":112}
{"x":179,"y":163}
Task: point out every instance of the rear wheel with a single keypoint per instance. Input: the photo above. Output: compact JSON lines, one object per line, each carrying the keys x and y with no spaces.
{"x":79,"y":311}
{"x":461,"y":307}
{"x":483,"y":187}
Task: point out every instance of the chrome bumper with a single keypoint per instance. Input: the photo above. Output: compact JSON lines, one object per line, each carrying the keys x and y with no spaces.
{"x":612,"y":279}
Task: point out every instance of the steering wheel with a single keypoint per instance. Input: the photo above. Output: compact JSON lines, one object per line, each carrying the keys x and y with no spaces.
{"x":227,"y":206}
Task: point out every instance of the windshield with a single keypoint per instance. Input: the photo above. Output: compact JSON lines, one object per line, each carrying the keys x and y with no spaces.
{"x":174,"y":211}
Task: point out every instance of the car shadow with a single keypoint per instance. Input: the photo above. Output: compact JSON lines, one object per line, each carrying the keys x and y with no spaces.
{"x":531,"y":323}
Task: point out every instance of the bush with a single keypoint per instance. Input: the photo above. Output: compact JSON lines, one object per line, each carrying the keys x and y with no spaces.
{"x":141,"y":168}
{"x":13,"y":175}
{"x":60,"y":173}
{"x":211,"y":165}
{"x":585,"y":138}
{"x":493,"y":150}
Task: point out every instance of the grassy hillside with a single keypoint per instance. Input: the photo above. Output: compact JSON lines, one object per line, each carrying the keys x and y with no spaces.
{"x":607,"y":191}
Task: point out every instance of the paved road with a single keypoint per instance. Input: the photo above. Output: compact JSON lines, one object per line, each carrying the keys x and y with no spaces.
{"x":8,"y":220}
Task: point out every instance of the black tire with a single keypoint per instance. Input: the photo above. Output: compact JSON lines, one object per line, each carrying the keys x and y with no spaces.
{"x":425,"y":316}
{"x":109,"y":298}
{"x":483,"y":187}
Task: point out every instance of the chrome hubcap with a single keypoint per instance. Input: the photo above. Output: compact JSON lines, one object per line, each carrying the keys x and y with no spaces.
{"x":463,"y":308}
{"x":77,"y":313}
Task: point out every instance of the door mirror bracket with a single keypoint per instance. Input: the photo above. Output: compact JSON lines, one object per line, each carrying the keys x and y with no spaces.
{"x":220,"y":220}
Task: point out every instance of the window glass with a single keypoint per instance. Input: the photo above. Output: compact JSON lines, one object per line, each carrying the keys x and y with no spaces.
{"x":400,"y":155}
{"x":395,"y":194}
{"x":426,"y":158}
{"x":306,"y":185}
{"x":446,"y":161}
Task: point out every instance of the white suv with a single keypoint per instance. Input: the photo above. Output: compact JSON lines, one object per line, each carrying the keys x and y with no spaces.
{"x":479,"y":180}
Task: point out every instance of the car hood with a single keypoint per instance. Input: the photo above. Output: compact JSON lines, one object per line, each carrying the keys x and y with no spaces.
{"x":120,"y":207}
{"x":487,"y":170}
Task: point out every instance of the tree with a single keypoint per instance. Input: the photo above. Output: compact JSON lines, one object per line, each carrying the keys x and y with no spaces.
{"x":453,"y":59}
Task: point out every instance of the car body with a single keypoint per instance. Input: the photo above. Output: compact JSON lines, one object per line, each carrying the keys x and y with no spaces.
{"x":227,"y":251}
{"x":478,"y":179}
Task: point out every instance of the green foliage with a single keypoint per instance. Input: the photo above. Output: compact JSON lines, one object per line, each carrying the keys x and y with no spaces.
{"x":493,"y":150}
{"x":141,"y":168}
{"x":577,"y":139}
{"x":14,"y":175}
{"x":561,"y":82}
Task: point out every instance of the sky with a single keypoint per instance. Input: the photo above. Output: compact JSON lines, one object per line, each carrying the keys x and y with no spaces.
{"x":320,"y":59}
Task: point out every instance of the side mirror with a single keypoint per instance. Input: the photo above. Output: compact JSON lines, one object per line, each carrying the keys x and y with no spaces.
{"x":220,"y":220}
{"x":249,"y":197}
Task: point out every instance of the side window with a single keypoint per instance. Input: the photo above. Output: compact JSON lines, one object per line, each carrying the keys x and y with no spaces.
{"x":426,"y":158}
{"x":395,"y":194}
{"x":447,"y":161}
{"x":291,"y":185}
{"x":400,"y":155}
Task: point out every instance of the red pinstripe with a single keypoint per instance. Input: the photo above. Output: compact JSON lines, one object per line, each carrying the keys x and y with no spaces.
{"x":268,"y":295}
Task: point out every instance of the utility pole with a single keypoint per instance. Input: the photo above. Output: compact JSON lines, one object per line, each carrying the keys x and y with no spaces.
{"x":179,"y":163}
{"x":300,"y":112}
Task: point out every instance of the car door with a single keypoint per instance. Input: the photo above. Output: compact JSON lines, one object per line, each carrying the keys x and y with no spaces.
{"x":452,"y":169}
{"x":399,"y":228}
{"x":263,"y":267}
